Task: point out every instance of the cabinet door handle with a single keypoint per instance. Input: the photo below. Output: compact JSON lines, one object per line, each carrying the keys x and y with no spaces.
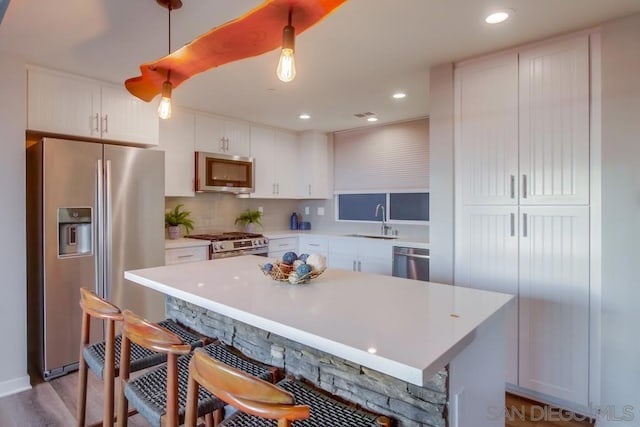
{"x":524,"y":225}
{"x":221,"y":144}
{"x":97,"y":123}
{"x":185,"y":256}
{"x":524,"y":186}
{"x":278,"y":188}
{"x":513,"y":224}
{"x":273,"y":188}
{"x":354,"y":265}
{"x":309,"y":189}
{"x":359,"y":265}
{"x":106,"y":123}
{"x":512,"y":186}
{"x":314,"y":244}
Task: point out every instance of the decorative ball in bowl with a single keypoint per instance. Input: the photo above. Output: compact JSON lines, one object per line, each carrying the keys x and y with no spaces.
{"x":295,"y":269}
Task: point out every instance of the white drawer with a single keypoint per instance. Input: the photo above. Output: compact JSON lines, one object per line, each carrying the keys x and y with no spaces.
{"x":182,"y":255}
{"x":285,"y":244}
{"x":313,"y":244}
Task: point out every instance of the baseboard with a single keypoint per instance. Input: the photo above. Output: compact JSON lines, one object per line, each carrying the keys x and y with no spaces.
{"x":15,"y":385}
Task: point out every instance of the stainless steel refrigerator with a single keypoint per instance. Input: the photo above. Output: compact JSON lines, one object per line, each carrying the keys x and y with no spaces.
{"x":93,"y":211}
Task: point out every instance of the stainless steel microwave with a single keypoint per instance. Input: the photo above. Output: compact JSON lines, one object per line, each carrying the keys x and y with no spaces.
{"x":224,"y":173}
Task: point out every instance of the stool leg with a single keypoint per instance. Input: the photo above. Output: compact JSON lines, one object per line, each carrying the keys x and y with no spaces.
{"x":218,"y":416}
{"x":109,"y":368}
{"x":82,"y":372}
{"x":208,"y":420}
{"x":123,"y":404}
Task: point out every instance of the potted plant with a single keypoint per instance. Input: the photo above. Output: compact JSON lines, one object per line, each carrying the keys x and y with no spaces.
{"x":176,"y":217}
{"x":247,"y":218}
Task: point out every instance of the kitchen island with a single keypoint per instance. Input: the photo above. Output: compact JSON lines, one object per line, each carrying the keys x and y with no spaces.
{"x":426,"y":344}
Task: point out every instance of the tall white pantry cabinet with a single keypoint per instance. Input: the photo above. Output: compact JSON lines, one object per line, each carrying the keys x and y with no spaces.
{"x":522,"y":140}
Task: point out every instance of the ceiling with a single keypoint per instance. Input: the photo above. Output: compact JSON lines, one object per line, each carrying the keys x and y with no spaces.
{"x":349,"y":63}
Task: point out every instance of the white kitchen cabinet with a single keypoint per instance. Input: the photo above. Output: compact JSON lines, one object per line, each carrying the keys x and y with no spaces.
{"x":522,"y":226}
{"x":314,"y":160}
{"x":214,"y":134}
{"x":177,"y":139}
{"x":280,"y":246}
{"x":554,"y":123}
{"x":360,"y":254}
{"x":262,"y":146}
{"x":522,"y":126}
{"x":286,"y":163}
{"x":486,"y":134}
{"x":314,"y":245}
{"x":186,"y":254}
{"x":554,"y":301}
{"x":487,"y":258}
{"x":275,"y":157}
{"x":70,"y":105}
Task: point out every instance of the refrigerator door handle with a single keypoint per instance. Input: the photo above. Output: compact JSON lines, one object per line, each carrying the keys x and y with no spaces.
{"x":108,"y":241}
{"x":99,"y":257}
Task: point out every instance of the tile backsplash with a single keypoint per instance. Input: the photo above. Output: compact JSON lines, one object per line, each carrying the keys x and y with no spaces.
{"x":218,"y":211}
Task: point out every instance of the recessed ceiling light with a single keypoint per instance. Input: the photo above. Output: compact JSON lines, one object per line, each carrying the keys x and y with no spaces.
{"x":399,"y":95}
{"x":304,"y":116}
{"x":498,"y":16}
{"x":372,"y":119}
{"x":372,"y":350}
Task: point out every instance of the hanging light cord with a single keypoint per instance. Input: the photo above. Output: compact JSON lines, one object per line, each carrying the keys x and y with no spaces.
{"x":169,"y":41}
{"x":169,"y":8}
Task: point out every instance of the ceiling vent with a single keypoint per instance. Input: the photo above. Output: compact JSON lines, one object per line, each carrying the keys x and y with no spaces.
{"x":362,"y":115}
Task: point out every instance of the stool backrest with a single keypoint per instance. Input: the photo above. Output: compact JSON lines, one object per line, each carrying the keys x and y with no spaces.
{"x":240,"y":390}
{"x":154,"y":337}
{"x":97,"y":307}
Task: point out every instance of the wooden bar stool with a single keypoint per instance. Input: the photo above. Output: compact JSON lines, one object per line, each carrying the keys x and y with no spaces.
{"x":260,"y":402}
{"x":239,"y":390}
{"x":103,"y":358}
{"x":160,"y":395}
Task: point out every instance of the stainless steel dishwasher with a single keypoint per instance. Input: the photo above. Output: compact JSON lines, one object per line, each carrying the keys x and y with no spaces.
{"x":411,"y":263}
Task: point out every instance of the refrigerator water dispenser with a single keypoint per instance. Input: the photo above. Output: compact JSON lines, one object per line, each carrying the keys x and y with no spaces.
{"x":74,"y":231}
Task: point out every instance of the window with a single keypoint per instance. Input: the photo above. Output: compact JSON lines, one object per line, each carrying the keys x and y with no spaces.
{"x":410,"y":207}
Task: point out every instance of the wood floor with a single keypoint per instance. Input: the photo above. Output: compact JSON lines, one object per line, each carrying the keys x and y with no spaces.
{"x":54,"y":404}
{"x":521,"y":412}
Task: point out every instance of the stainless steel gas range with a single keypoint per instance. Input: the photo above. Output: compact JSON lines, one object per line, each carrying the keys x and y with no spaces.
{"x":225,"y":245}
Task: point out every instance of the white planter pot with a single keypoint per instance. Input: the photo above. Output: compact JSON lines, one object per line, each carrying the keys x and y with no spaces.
{"x":174,"y":231}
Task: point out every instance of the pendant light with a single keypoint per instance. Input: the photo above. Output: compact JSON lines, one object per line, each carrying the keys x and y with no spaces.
{"x":164,"y":109}
{"x":286,"y":70}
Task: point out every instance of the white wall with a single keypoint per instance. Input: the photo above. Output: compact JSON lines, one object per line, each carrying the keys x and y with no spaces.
{"x":441,"y":158}
{"x":621,"y":218}
{"x":13,"y":327}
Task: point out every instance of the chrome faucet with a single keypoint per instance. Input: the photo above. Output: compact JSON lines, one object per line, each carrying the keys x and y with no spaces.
{"x":384,"y":228}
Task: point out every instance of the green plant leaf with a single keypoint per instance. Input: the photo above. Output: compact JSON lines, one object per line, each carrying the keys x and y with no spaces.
{"x":178,"y":217}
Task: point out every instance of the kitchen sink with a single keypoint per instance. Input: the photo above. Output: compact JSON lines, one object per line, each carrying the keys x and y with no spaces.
{"x":373,"y":236}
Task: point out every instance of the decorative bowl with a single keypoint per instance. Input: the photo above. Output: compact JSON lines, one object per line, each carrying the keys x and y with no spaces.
{"x":281,"y":272}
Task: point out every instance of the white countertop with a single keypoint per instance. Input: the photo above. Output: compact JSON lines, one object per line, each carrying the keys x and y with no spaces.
{"x":400,"y":241}
{"x":348,"y":314}
{"x":184,"y":243}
